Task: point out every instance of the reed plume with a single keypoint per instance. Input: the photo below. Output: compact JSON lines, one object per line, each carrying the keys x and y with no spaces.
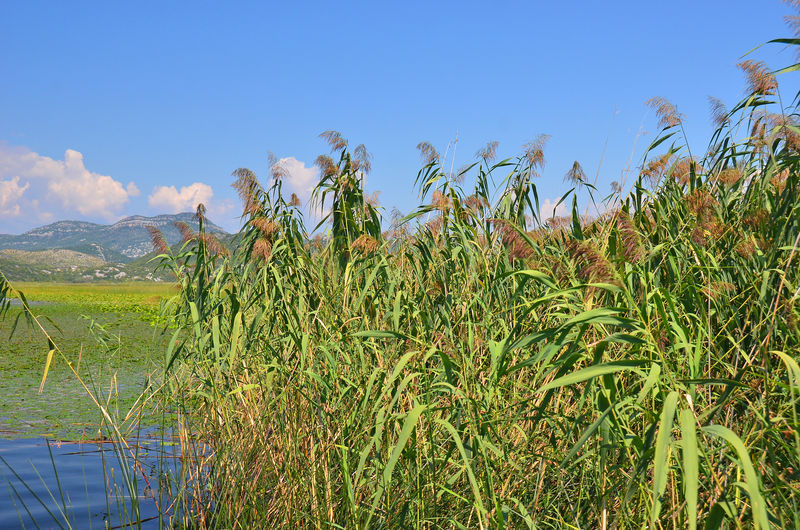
{"x":248,"y":189}
{"x":334,"y":139}
{"x":362,"y":160}
{"x":428,"y":153}
{"x":719,"y":113}
{"x":186,"y":231}
{"x":534,"y":153}
{"x":759,"y":79}
{"x":327,"y":167}
{"x":365,"y":244}
{"x":632,"y":247}
{"x":654,"y":171}
{"x":262,"y":249}
{"x":592,"y":265}
{"x":668,"y":115}
{"x":488,"y":153}
{"x":157,"y":238}
{"x":576,"y":174}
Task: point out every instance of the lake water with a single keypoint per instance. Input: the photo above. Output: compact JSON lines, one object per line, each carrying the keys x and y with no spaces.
{"x":51,"y":484}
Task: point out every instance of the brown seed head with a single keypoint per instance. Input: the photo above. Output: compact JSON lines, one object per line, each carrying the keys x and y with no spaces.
{"x":427,"y":152}
{"x":785,"y":127}
{"x":576,"y":174}
{"x":362,"y":160}
{"x":534,"y":153}
{"x":334,"y":139}
{"x":700,"y":202}
{"x":266,"y":227}
{"x":632,"y":247}
{"x":759,"y":79}
{"x":157,"y":238}
{"x":756,"y":219}
{"x":247,"y":186}
{"x":715,"y":290}
{"x":515,"y":244}
{"x":730,"y":176}
{"x":707,"y":230}
{"x":489,"y":152}
{"x":682,"y":170}
{"x":719,"y":113}
{"x":668,"y":115}
{"x":655,"y":169}
{"x":214,"y":245}
{"x":365,"y":244}
{"x":746,"y":248}
{"x":779,"y":180}
{"x":186,"y":231}
{"x":559,"y":221}
{"x":440,"y":201}
{"x":327,"y":167}
{"x":591,"y":263}
{"x":476,"y":204}
{"x":262,"y":249}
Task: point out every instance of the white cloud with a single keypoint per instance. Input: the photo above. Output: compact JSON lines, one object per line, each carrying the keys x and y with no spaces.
{"x":301,"y":179}
{"x":186,"y":200}
{"x":10,"y":194}
{"x":64,"y":185}
{"x":546,"y":209}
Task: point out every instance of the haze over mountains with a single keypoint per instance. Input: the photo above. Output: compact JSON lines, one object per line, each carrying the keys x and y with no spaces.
{"x":83,"y":251}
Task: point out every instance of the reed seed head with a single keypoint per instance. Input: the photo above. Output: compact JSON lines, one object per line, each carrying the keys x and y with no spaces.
{"x":186,"y":231}
{"x":654,"y":171}
{"x":327,"y":167}
{"x":488,"y":153}
{"x":262,"y":249}
{"x":729,"y":176}
{"x":534,"y":152}
{"x":266,"y":227}
{"x":247,"y":187}
{"x":719,"y":113}
{"x":157,"y":238}
{"x":576,"y":174}
{"x":427,"y":152}
{"x":362,"y":160}
{"x":759,"y":78}
{"x":632,"y":247}
{"x":365,"y":244}
{"x":440,"y":201}
{"x":334,"y":139}
{"x":590,"y":261}
{"x":668,"y":115}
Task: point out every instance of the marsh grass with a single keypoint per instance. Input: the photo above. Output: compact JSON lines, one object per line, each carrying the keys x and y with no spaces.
{"x":480,"y":366}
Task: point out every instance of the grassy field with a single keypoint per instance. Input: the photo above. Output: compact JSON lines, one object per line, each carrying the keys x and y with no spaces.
{"x":106,"y":331}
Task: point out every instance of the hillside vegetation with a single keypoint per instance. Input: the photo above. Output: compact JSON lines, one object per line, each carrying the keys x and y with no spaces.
{"x":479,"y":366}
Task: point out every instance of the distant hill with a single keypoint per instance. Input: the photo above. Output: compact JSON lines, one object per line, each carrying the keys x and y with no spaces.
{"x":81,"y":251}
{"x":123,"y":241}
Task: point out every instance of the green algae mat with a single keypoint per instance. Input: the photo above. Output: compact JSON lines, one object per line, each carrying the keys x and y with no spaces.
{"x":111,"y":335}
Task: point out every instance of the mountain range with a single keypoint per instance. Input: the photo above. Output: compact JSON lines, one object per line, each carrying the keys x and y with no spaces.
{"x":83,"y":251}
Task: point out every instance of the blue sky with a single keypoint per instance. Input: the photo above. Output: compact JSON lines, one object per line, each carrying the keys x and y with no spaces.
{"x":110,"y":109}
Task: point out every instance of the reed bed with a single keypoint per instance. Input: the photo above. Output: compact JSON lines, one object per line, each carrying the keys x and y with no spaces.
{"x":479,"y":366}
